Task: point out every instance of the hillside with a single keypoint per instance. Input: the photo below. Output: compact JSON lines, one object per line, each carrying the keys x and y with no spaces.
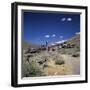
{"x":74,"y":40}
{"x":55,"y":60}
{"x":29,"y":45}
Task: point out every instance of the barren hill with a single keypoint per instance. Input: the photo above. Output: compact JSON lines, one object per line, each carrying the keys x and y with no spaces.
{"x":29,"y":45}
{"x":74,"y":40}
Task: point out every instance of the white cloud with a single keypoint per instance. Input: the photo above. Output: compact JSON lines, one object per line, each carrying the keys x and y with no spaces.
{"x":58,"y":42}
{"x":63,"y":19}
{"x":62,"y":41}
{"x":52,"y":44}
{"x":77,"y":33}
{"x":53,"y":35}
{"x":47,"y":36}
{"x":69,"y":19}
{"x":61,"y":37}
{"x":66,"y":19}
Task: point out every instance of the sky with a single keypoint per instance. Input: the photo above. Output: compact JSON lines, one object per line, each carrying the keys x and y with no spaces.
{"x":39,"y":27}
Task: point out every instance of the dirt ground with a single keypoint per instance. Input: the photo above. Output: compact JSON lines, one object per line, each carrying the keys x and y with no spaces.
{"x":71,"y":66}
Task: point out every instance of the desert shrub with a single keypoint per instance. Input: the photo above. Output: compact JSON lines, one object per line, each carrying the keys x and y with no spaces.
{"x":76,"y":55}
{"x":69,"y":51}
{"x":59,"y":61}
{"x":78,"y":48}
{"x":31,"y":69}
{"x":64,"y":51}
{"x":45,"y":65}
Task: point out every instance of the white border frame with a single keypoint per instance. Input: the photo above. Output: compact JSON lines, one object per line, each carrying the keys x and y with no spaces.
{"x":82,"y":43}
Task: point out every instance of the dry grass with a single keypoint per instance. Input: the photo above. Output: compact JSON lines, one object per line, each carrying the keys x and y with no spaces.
{"x":56,"y":64}
{"x":54,"y":69}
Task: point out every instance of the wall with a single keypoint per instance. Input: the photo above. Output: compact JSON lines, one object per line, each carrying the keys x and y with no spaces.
{"x":5,"y":46}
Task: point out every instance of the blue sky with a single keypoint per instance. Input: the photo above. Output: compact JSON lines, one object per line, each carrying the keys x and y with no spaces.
{"x":39,"y":27}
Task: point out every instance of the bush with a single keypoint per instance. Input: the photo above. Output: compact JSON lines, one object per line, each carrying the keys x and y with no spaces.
{"x":59,"y":61}
{"x":78,"y":48}
{"x":31,"y":69}
{"x":76,"y":55}
{"x":45,"y":65}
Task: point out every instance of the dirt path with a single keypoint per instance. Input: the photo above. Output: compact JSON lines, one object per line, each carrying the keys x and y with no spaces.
{"x":71,"y":66}
{"x":74,"y":61}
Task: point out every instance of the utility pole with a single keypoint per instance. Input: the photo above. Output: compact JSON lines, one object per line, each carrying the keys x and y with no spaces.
{"x":46,"y":45}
